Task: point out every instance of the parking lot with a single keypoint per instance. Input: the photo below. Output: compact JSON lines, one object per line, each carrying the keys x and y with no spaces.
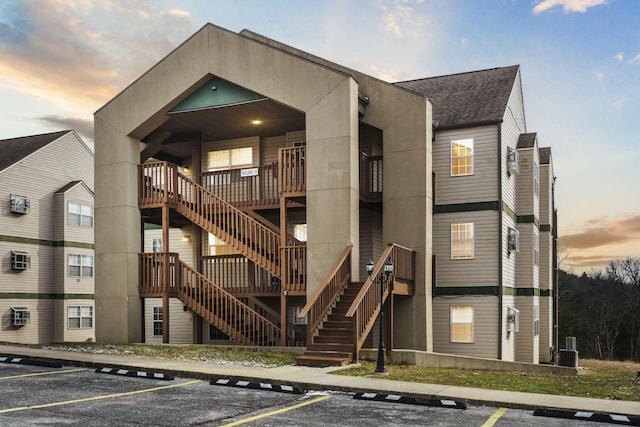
{"x":67,"y":396}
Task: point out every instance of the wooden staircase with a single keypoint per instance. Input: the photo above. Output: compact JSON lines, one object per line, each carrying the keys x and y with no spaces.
{"x":333,"y":345}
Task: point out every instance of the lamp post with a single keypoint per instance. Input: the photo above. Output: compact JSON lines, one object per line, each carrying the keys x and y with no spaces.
{"x":388,"y":269}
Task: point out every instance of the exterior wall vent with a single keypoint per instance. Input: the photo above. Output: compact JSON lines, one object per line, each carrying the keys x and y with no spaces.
{"x":513,"y":240}
{"x":20,"y":260}
{"x":512,"y":161}
{"x":513,"y":319}
{"x":20,"y":316}
{"x":19,"y":204}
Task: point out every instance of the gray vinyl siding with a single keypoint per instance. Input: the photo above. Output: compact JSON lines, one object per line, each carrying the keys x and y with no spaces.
{"x":546,"y":205}
{"x":41,"y":326}
{"x":180,"y":322}
{"x":269,"y":149}
{"x":508,"y":258}
{"x":527,"y":349}
{"x":181,"y":241}
{"x":371,"y":242}
{"x":228,"y":144}
{"x":546,"y":328}
{"x":296,"y":137}
{"x":512,"y":126}
{"x":71,"y":232}
{"x":37,"y":278}
{"x":545,"y":268}
{"x":482,"y":270}
{"x":485,"y":328}
{"x":508,"y":338}
{"x":527,"y":272}
{"x":528,"y":202}
{"x":482,"y":186}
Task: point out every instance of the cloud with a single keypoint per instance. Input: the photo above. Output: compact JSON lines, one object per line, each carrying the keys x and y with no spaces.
{"x":401,"y":21}
{"x":601,"y":232}
{"x":599,"y":76}
{"x":619,"y":56}
{"x":69,"y":51}
{"x":568,"y":6}
{"x":636,"y":59}
{"x":83,"y":126}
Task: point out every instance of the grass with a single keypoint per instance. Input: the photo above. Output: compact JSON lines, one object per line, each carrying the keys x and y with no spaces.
{"x":597,"y":379}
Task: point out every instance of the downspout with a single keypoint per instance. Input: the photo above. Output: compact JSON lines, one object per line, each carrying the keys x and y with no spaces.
{"x":500,"y":201}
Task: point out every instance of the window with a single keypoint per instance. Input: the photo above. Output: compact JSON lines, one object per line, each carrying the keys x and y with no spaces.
{"x":156,"y":245}
{"x":80,"y":265}
{"x":536,"y":320}
{"x":157,"y":321}
{"x":230,"y":159}
{"x":536,"y":179}
{"x":536,"y":248}
{"x":80,"y":317}
{"x":300,"y":232}
{"x":462,"y":241}
{"x":462,"y":157}
{"x":20,"y":260}
{"x":296,"y":320}
{"x":461,"y":319}
{"x":219,"y":246}
{"x":80,"y":215}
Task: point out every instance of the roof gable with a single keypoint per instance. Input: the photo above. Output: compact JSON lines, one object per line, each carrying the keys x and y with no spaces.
{"x":527,"y":140}
{"x":545,"y":155}
{"x":473,"y":98}
{"x":73,"y":184}
{"x":15,"y":149}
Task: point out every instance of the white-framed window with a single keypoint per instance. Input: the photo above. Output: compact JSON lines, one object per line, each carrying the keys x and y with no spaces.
{"x":536,"y":179}
{"x":80,"y":317}
{"x":80,"y":265}
{"x":461,"y":321}
{"x":156,"y":245}
{"x":157,"y":321}
{"x":229,"y":159}
{"x":536,"y":247}
{"x":462,"y":241}
{"x":300,"y":232}
{"x":296,"y":320}
{"x":536,"y":319}
{"x":462,"y":157}
{"x":79,"y":214}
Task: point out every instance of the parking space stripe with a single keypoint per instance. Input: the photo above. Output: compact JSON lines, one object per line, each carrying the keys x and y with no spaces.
{"x":88,"y":399}
{"x":35,"y":374}
{"x":495,"y":417}
{"x":279,"y":411}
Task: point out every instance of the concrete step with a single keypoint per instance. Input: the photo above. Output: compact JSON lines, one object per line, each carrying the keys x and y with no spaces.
{"x":324,"y":360}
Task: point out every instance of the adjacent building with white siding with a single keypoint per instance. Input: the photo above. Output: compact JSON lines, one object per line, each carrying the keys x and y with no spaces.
{"x":46,"y":239}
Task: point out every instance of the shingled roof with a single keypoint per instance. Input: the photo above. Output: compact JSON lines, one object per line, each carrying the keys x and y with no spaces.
{"x":474,"y":98}
{"x":527,"y":140}
{"x":545,"y":155}
{"x":15,"y":149}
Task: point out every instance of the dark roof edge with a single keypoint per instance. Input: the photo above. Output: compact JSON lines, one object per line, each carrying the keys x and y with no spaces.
{"x":466,"y":125}
{"x":457,"y":74}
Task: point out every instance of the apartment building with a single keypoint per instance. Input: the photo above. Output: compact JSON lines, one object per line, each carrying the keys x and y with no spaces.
{"x":46,"y":239}
{"x":250,"y":192}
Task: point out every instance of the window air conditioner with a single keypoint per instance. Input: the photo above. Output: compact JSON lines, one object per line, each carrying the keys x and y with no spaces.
{"x":512,"y":161}
{"x":513,"y":240}
{"x":19,"y":204}
{"x":20,"y":316}
{"x":513,"y":319}
{"x":20,"y":260}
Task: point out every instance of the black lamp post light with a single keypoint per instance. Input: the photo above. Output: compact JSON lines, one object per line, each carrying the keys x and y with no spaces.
{"x":388,"y":269}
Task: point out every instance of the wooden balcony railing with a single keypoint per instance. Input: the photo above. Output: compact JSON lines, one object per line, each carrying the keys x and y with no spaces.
{"x":365,"y":308}
{"x":291,"y":171}
{"x":251,"y":187}
{"x":162,"y":183}
{"x":157,"y":274}
{"x":238,"y":275}
{"x":294,"y":269}
{"x":370,"y":178}
{"x":327,"y":293}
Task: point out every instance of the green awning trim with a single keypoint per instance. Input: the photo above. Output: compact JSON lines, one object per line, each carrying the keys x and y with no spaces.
{"x":216,"y":92}
{"x":42,"y":242}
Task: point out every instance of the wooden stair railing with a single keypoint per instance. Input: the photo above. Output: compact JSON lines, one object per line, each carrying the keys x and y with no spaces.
{"x":161,"y":183}
{"x":224,"y":311}
{"x":366,"y":306}
{"x":295,"y":334}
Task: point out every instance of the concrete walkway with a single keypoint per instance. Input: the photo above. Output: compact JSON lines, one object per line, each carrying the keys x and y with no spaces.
{"x":320,"y":379}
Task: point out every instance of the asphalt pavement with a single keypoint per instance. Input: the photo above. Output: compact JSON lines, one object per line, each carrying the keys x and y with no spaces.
{"x":311,"y":378}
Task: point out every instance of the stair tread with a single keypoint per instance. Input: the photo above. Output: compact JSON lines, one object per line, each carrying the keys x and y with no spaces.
{"x":322,"y":360}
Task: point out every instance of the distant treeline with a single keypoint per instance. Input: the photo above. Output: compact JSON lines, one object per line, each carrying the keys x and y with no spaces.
{"x":602,"y":310}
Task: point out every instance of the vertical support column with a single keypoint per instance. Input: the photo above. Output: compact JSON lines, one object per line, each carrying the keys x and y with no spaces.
{"x":284,"y":270}
{"x":166,"y":274}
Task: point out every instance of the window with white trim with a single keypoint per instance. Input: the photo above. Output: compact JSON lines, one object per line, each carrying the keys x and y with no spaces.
{"x":80,"y":265}
{"x":80,"y":317}
{"x":300,"y":232}
{"x":156,"y":245}
{"x":229,"y":159}
{"x":536,"y":319}
{"x":536,"y":247}
{"x":462,"y":157}
{"x":157,"y":321}
{"x":79,"y":214}
{"x":462,"y":241}
{"x":461,"y":321}
{"x":536,"y":179}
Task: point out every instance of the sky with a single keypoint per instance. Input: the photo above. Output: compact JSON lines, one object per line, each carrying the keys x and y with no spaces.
{"x":61,"y":60}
